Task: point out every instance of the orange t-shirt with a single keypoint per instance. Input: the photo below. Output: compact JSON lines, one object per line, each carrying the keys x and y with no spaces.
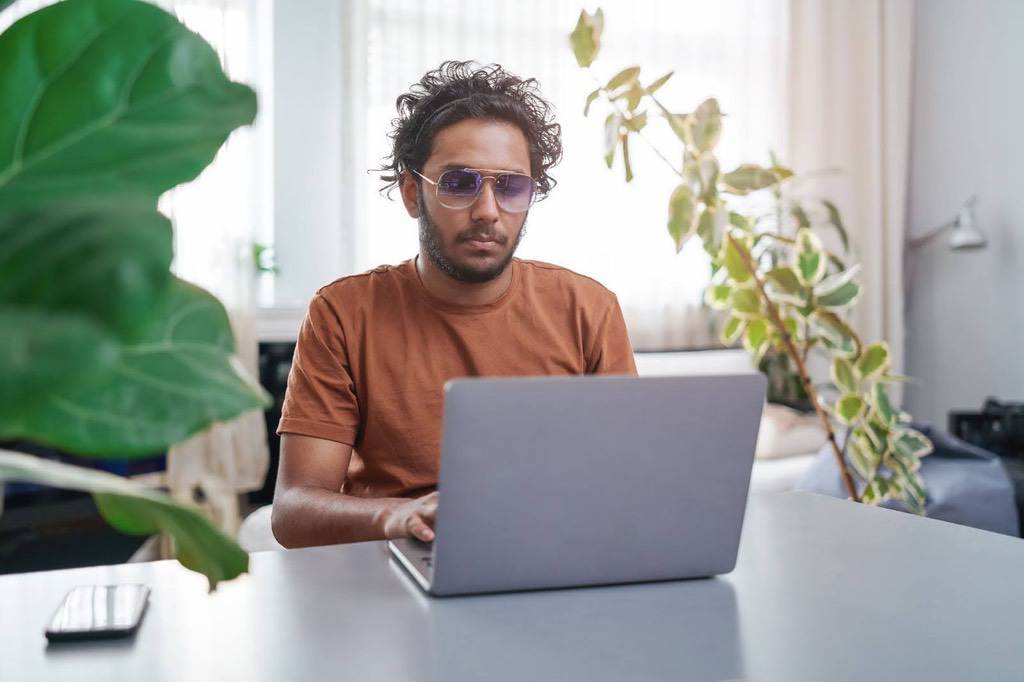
{"x":376,"y":349}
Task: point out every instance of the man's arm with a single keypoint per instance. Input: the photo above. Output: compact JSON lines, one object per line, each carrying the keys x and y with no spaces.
{"x":310,"y":510}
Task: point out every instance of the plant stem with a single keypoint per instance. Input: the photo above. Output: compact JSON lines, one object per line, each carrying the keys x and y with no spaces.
{"x":778,"y":238}
{"x":795,"y":355}
{"x":807,"y":346}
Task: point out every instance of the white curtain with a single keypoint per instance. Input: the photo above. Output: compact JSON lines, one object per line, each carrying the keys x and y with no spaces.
{"x":593,"y":222}
{"x":849,"y":82}
{"x":218,"y":218}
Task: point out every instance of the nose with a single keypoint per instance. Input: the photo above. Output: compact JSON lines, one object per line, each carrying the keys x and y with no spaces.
{"x":485,"y":208}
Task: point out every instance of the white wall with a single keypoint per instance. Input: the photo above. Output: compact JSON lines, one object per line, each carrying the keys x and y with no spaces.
{"x":965,"y":317}
{"x":308,"y":103}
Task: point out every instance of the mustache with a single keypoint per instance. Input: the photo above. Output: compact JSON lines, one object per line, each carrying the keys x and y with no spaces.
{"x":482,"y":235}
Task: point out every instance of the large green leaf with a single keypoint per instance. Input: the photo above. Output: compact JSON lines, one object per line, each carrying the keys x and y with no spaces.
{"x":176,"y":377}
{"x":105,"y":104}
{"x":136,"y":510}
{"x":75,"y":280}
{"x":40,"y":352}
{"x":586,"y":37}
{"x":104,"y":260}
{"x":109,"y":98}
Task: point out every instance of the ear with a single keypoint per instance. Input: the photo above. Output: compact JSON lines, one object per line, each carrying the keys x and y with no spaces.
{"x":410,"y":190}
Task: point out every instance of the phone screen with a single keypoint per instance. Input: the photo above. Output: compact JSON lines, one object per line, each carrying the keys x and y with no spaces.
{"x":99,"y":611}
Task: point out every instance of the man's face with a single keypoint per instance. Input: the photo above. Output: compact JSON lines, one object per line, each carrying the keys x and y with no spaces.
{"x":473,"y":244}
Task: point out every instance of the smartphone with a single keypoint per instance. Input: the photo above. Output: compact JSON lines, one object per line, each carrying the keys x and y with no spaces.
{"x":98,"y":611}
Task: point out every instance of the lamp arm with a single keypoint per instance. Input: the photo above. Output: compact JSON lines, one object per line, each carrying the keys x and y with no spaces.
{"x":930,"y":235}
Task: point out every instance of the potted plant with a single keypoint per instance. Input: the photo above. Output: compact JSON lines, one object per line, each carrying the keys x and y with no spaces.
{"x":783,"y":293}
{"x":104,"y":353}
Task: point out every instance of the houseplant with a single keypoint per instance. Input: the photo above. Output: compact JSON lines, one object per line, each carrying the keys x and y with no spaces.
{"x":782,"y":291}
{"x":104,"y":105}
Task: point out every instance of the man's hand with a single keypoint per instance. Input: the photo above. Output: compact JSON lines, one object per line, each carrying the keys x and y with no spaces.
{"x":413,"y":519}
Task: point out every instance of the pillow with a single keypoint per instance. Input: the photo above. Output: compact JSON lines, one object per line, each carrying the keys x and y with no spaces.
{"x":786,"y":432}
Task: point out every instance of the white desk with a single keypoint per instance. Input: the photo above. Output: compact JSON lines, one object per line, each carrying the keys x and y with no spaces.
{"x":824,"y":590}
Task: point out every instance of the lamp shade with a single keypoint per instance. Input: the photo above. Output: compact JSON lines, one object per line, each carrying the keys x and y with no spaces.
{"x":965,"y":234}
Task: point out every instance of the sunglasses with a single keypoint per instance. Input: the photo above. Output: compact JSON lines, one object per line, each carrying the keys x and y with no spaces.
{"x":459,"y":188}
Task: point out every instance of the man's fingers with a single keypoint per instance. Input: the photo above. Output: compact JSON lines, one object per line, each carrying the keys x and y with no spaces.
{"x":428,"y":507}
{"x":420,"y":530}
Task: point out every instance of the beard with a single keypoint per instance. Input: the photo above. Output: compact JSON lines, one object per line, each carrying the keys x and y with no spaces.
{"x":430,"y":241}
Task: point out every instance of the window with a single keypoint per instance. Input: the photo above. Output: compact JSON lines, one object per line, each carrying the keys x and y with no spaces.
{"x":593,"y":222}
{"x":226,"y":210}
{"x":328,"y":75}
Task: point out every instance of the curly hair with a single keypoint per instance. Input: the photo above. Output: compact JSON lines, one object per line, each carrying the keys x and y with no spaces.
{"x":456,"y":91}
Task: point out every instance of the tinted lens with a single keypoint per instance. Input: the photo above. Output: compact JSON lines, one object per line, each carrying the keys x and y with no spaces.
{"x":514,"y":191}
{"x":461,"y":186}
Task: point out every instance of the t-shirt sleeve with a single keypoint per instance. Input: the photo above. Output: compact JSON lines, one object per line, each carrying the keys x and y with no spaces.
{"x":610,"y":349}
{"x":320,"y":400}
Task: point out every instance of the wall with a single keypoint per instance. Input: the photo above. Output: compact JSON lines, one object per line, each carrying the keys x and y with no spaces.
{"x":308,"y":58}
{"x":965,"y":316}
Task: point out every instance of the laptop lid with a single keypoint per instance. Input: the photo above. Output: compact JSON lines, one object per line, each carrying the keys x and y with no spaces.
{"x":567,"y":481}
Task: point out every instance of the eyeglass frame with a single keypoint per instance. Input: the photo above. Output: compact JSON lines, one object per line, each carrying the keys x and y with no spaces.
{"x":437,"y":190}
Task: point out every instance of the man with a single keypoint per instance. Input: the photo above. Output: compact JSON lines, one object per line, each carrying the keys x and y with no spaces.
{"x":361,"y":424}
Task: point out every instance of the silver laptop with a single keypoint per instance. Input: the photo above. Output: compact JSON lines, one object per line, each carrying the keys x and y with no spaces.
{"x":553,"y":482}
